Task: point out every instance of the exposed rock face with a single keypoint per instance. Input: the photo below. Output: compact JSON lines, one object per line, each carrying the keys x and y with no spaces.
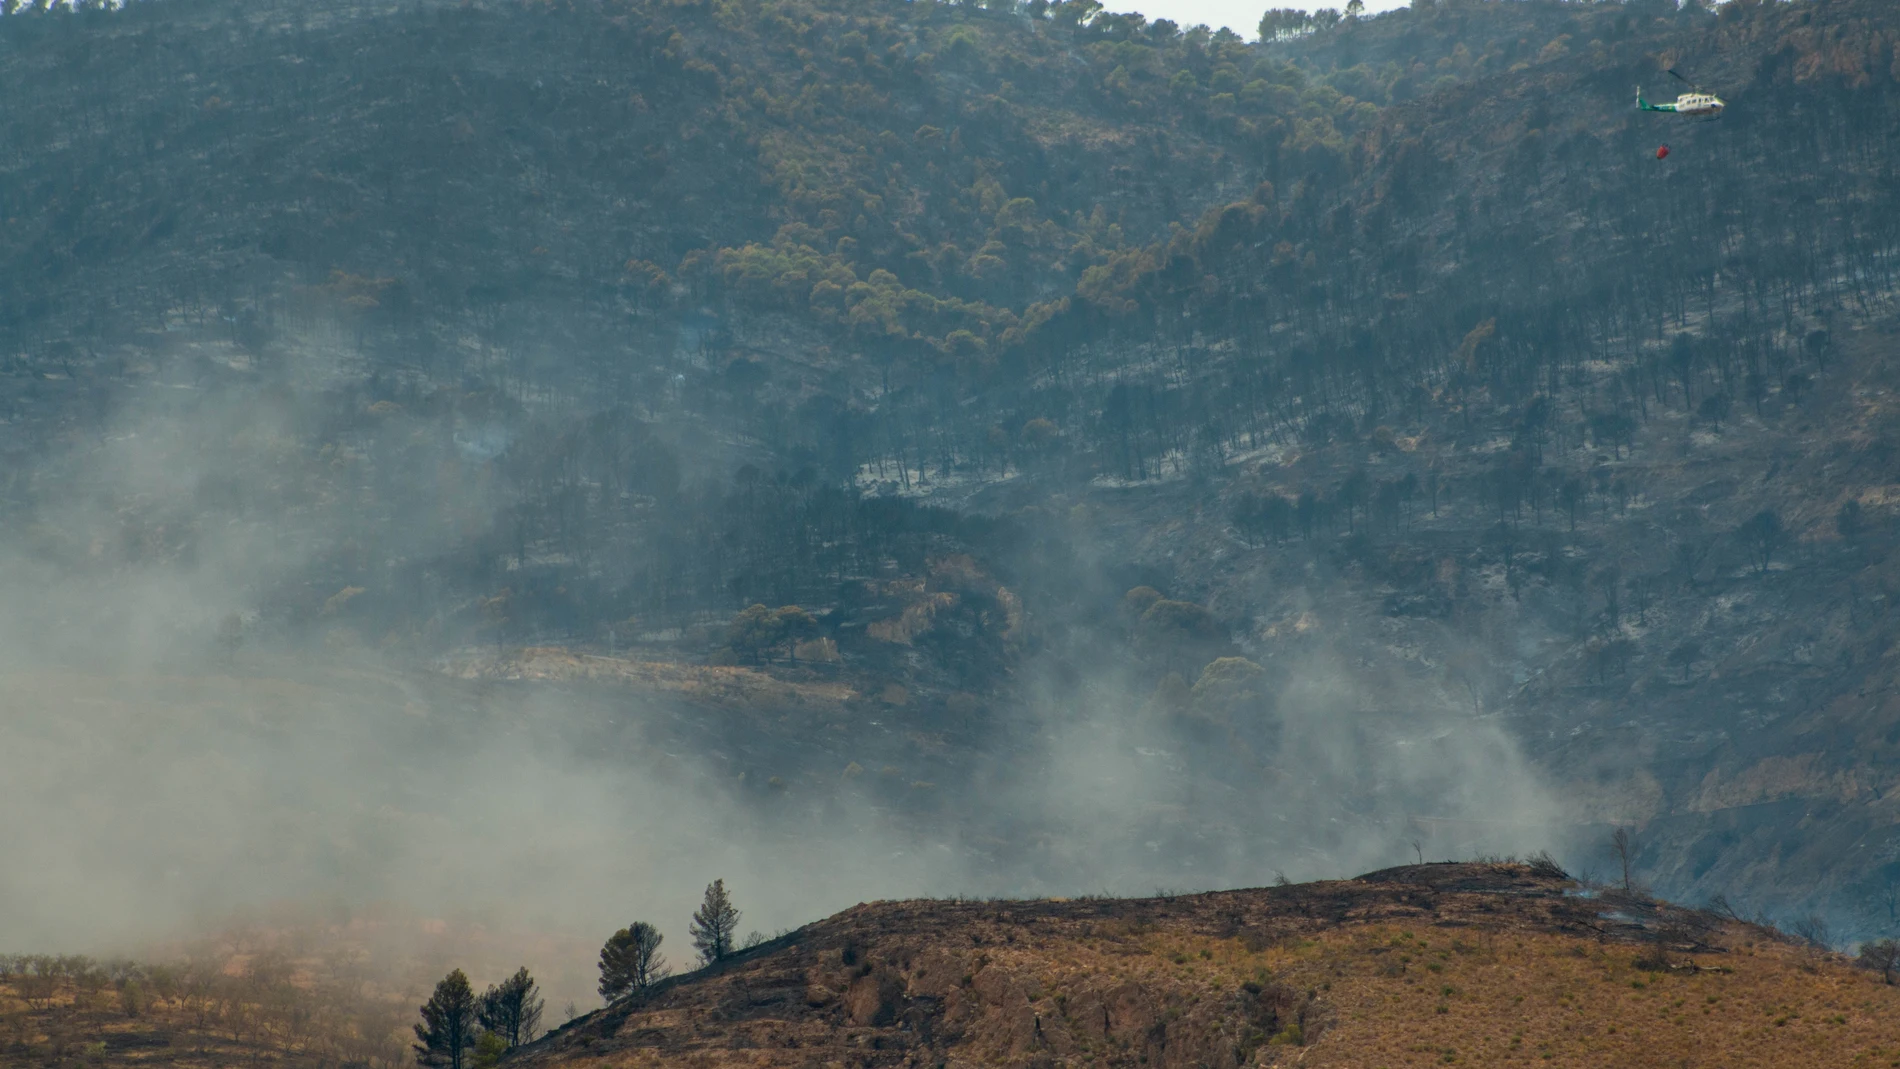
{"x":875,"y":999}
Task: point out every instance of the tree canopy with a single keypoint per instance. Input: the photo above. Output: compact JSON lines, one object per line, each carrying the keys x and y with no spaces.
{"x":447,"y":1032}
{"x":715,"y":924}
{"x":630,"y":962}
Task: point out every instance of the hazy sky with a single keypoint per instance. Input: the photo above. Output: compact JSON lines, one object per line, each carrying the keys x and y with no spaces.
{"x":1241,"y":16}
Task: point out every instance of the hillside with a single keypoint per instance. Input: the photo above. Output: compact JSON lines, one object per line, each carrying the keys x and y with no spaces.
{"x":288,"y":986}
{"x":1441,"y":964}
{"x":997,"y":448}
{"x":428,"y":258}
{"x":1424,"y":965}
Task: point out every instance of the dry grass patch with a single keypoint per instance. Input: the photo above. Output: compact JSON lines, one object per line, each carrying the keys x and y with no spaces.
{"x":1414,"y":994}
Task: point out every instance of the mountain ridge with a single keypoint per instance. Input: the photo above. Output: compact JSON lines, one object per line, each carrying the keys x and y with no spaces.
{"x":1249,"y":399}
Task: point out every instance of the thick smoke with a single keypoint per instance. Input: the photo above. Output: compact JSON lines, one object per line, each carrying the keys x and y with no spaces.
{"x":169,"y":757}
{"x":1321,"y":768}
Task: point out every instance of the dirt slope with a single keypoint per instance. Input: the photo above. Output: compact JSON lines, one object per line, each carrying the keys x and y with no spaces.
{"x":1433,"y":964}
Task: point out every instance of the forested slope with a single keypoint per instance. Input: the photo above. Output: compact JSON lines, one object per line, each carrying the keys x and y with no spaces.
{"x":1012,"y":342}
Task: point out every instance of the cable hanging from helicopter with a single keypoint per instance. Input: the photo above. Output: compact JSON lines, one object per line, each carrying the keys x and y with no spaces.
{"x":1697,"y":104}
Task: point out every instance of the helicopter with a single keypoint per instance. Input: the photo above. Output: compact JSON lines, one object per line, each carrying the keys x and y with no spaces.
{"x":1697,"y":103}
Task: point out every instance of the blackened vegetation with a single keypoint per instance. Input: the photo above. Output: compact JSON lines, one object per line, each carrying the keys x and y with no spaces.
{"x":934,"y":330}
{"x":878,"y":265}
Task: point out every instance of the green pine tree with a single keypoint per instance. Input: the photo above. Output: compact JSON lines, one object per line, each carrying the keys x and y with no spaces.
{"x":631,"y":962}
{"x":714,"y":924}
{"x":447,"y":1031}
{"x":512,"y":1009}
